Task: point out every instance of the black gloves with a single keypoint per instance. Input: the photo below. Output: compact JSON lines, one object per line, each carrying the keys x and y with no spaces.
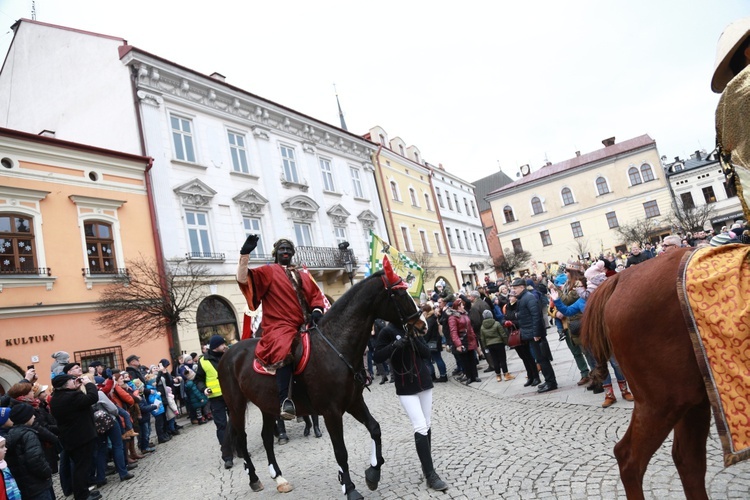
{"x":316,"y":315}
{"x":250,"y":243}
{"x":400,"y":343}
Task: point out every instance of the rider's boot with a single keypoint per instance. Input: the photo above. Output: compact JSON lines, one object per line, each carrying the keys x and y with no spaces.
{"x":283,"y":377}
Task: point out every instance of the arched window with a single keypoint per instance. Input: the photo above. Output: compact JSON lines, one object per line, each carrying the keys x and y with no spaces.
{"x":100,"y":247}
{"x":508,"y":214}
{"x":17,"y":249}
{"x":647,"y":172}
{"x":536,"y":205}
{"x":394,"y":191}
{"x":635,"y":176}
{"x":601,"y":186}
{"x":427,"y":201}
{"x":567,"y":196}
{"x":413,"y":196}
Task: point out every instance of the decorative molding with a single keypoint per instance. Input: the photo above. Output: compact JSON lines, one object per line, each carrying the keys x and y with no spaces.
{"x":195,"y":194}
{"x":260,"y":133}
{"x":250,"y":202}
{"x":367,"y":219}
{"x":14,"y":195}
{"x":301,"y":207}
{"x":308,"y":147}
{"x":302,"y":186}
{"x":96,"y":204}
{"x":150,"y":98}
{"x":338,"y":214}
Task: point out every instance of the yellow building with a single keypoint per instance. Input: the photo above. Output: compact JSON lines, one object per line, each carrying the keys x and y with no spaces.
{"x":71,"y":217}
{"x":570,"y":210}
{"x":411,"y":216}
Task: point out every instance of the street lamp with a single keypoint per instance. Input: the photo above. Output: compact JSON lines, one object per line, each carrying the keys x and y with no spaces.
{"x":346,"y":256}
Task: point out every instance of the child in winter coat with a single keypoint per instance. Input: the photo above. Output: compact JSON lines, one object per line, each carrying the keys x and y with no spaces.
{"x":8,"y":485}
{"x":195,"y":398}
{"x":160,"y":419}
{"x":26,"y":456}
{"x":171,"y":413}
{"x":144,"y":421}
{"x":495,"y":337}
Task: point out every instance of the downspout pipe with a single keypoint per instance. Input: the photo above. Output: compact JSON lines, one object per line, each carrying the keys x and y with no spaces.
{"x":151,"y":204}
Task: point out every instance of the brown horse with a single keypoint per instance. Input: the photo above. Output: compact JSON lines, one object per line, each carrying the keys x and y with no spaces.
{"x":637,"y":316}
{"x":331,"y":384}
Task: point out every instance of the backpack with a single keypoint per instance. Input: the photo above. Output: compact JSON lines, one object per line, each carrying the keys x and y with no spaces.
{"x":103,"y":421}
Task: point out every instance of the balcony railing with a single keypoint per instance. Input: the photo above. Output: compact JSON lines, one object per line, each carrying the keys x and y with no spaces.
{"x":117,"y":271}
{"x":321,"y":257}
{"x":204,"y":256}
{"x":36,"y":271}
{"x":265,"y":257}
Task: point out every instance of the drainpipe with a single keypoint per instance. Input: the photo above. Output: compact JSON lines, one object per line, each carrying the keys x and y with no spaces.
{"x":152,"y":208}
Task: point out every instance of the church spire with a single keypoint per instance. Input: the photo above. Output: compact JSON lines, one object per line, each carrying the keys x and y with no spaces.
{"x":341,"y":113}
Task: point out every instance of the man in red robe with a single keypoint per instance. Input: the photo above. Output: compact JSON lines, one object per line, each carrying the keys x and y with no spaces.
{"x":290,"y":299}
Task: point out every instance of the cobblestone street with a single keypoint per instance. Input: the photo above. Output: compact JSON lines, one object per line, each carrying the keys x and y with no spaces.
{"x":490,"y":440}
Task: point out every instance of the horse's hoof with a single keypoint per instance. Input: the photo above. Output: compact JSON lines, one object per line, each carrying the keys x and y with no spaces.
{"x":284,"y":487}
{"x":256,"y":486}
{"x":372,"y":478}
{"x":354,"y":495}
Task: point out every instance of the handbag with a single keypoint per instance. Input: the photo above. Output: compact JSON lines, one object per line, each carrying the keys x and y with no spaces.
{"x":433,"y":345}
{"x":514,"y":338}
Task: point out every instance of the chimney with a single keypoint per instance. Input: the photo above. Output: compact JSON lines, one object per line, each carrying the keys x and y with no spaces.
{"x":698,"y":155}
{"x":578,"y":153}
{"x":548,"y":163}
{"x":218,"y":76}
{"x":47,"y":133}
{"x":609,"y":141}
{"x":676,"y":158}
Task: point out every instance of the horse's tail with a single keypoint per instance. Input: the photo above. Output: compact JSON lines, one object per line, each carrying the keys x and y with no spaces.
{"x":594,"y":331}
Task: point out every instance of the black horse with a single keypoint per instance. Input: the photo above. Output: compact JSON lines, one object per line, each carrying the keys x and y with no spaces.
{"x":331,"y":384}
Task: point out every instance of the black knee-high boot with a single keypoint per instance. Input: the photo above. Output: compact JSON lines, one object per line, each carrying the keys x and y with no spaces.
{"x":425,"y":457}
{"x":281,"y":431}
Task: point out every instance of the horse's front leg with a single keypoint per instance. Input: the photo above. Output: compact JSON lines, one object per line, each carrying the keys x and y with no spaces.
{"x":269,"y":424}
{"x":335,"y":428}
{"x":361,"y":412}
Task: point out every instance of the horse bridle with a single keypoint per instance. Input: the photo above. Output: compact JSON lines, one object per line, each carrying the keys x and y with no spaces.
{"x":363,"y":377}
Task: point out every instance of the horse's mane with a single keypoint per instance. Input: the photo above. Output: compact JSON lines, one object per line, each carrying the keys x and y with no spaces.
{"x":344,"y":301}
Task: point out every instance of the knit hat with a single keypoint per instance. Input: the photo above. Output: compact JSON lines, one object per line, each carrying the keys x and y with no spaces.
{"x":132,"y":357}
{"x":4,"y":415}
{"x":38,"y":389}
{"x":216,"y":341}
{"x":164,"y":362}
{"x":486,"y":314}
{"x":61,"y":380}
{"x":21,"y":413}
{"x":189,"y":374}
{"x":99,"y":380}
{"x":69,"y":367}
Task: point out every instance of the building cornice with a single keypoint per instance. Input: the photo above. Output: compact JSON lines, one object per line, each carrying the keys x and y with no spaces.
{"x":158,"y":80}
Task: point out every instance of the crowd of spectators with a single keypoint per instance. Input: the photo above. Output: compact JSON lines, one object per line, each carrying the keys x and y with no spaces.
{"x":90,"y":424}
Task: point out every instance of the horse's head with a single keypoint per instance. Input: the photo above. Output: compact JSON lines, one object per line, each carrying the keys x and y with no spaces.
{"x":397,"y":289}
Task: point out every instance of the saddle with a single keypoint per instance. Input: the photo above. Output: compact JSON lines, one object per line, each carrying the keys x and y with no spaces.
{"x":299,"y":356}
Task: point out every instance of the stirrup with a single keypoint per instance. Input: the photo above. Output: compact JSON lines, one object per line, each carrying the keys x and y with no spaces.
{"x":288,"y":411}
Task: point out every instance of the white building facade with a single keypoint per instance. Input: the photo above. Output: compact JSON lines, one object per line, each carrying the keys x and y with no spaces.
{"x":226,"y":163}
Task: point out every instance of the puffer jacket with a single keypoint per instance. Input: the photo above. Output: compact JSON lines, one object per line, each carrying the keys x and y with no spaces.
{"x":196,"y":399}
{"x":529,"y":317}
{"x":459,"y":322}
{"x":492,"y":333}
{"x":27,"y":462}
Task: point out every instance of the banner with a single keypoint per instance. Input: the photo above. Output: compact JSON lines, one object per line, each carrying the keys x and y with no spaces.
{"x":406,"y":268}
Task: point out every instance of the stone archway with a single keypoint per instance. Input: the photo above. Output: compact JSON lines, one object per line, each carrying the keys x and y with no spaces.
{"x":216,"y":316}
{"x":10,"y":373}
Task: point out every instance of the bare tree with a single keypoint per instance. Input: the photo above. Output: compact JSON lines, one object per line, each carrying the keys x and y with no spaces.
{"x":510,"y":261}
{"x":581,"y":247}
{"x":424,"y":259}
{"x":639,"y":231}
{"x":150,"y":302}
{"x":690,"y":217}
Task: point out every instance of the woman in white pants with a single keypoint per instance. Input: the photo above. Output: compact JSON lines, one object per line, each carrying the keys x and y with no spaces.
{"x":409,"y":357}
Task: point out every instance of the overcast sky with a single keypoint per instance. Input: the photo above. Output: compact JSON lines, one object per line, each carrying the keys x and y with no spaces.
{"x":475,"y":86}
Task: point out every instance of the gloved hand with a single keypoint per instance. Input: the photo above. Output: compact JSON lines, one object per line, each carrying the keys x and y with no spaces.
{"x":508,"y":324}
{"x":316,"y":315}
{"x":250,"y":243}
{"x":399,"y":343}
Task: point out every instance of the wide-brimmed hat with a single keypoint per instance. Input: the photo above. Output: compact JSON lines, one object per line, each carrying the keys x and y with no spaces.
{"x":729,"y":41}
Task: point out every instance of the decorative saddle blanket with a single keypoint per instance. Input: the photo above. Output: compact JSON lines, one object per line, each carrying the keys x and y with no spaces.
{"x":714,"y":289}
{"x":301,"y":364}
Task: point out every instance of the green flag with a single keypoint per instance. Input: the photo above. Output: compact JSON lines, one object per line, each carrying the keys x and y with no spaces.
{"x":407,"y":269}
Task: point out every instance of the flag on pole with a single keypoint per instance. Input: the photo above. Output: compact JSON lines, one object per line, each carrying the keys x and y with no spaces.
{"x":407,"y":269}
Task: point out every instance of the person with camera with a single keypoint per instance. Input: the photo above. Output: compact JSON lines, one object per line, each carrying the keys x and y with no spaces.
{"x":409,"y":355}
{"x":71,"y":407}
{"x":207,"y":380}
{"x":290,"y":300}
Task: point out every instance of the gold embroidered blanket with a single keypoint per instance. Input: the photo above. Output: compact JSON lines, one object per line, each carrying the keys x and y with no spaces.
{"x":714,"y":288}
